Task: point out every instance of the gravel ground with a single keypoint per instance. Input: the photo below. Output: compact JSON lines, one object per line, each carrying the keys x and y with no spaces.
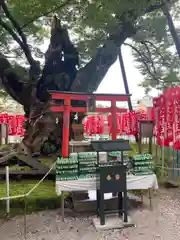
{"x":163,"y":223}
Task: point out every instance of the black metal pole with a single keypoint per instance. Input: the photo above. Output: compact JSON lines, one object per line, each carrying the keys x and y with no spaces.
{"x":123,"y":72}
{"x":126,"y":87}
{"x":172,"y":28}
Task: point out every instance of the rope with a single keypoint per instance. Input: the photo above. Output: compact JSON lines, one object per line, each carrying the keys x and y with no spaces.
{"x":7,"y":217}
{"x":30,"y":191}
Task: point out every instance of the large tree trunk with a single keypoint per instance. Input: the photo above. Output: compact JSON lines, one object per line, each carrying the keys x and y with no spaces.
{"x":60,"y":74}
{"x":89,"y":77}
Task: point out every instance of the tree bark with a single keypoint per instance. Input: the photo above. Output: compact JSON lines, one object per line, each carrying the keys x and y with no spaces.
{"x":172,"y":28}
{"x":12,"y":84}
{"x":61,"y":60}
{"x":62,"y":75}
{"x":59,"y":73}
{"x":89,"y":77}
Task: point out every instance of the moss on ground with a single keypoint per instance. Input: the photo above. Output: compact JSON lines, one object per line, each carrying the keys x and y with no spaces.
{"x":42,"y":198}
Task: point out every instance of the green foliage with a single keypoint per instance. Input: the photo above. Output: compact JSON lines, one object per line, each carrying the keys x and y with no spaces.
{"x":90,"y":22}
{"x":44,"y":197}
{"x":154,"y":52}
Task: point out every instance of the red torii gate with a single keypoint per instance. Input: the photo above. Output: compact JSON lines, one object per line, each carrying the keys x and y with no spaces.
{"x":67,"y":108}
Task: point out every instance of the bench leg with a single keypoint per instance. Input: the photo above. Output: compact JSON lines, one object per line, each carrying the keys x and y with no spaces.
{"x":141,"y":196}
{"x":125,"y":199}
{"x":101,"y":209}
{"x":62,"y":206}
{"x":150,"y":198}
{"x":120,"y":203}
{"x":97,"y":202}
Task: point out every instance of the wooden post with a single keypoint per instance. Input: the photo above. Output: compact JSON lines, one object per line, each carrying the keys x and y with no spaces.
{"x":150,"y":145}
{"x":92,"y":105}
{"x":62,"y":205}
{"x":6,"y":135}
{"x":0,"y":134}
{"x":66,"y":123}
{"x":7,"y":191}
{"x":114,"y":123}
{"x":140,"y":139}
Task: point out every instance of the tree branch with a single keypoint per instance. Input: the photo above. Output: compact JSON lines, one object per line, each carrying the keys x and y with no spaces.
{"x":12,"y":84}
{"x":89,"y":77}
{"x":171,"y":26}
{"x":23,"y":42}
{"x":150,"y":58}
{"x":164,"y":61}
{"x":67,"y":2}
{"x":156,"y":48}
{"x":154,"y":7}
{"x":144,"y":62}
{"x":17,"y":39}
{"x":11,"y":32}
{"x":14,"y":23}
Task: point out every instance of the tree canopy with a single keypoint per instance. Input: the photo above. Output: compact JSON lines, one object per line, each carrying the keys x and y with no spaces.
{"x":85,"y":37}
{"x":154,"y":50}
{"x":90,"y":24}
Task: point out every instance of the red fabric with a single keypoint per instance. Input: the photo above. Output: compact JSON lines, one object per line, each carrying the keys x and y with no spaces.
{"x":165,"y":113}
{"x":12,"y":125}
{"x":126,"y":123}
{"x":20,"y":130}
{"x":156,"y":103}
{"x":4,"y":118}
{"x":118,"y":123}
{"x":92,"y":125}
{"x":129,"y":121}
{"x":161,"y":123}
{"x":133,"y":128}
{"x":176,"y":118}
{"x":169,"y":116}
{"x":100,"y":126}
{"x":15,"y":124}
